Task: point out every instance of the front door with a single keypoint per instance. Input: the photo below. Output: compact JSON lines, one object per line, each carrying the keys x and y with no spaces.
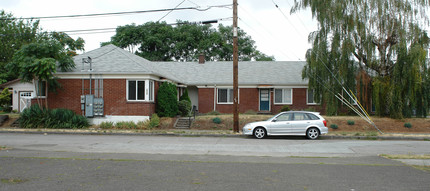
{"x":264,"y":99}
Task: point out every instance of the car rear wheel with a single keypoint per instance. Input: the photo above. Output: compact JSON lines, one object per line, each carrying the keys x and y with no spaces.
{"x":312,"y":133}
{"x":259,"y":133}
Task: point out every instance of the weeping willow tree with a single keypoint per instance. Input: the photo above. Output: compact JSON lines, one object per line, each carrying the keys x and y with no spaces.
{"x":376,"y":48}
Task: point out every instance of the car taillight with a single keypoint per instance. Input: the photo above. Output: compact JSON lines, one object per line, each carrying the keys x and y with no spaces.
{"x":325,"y":123}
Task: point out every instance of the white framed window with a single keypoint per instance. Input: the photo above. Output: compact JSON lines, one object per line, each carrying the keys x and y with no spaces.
{"x":140,"y":90}
{"x":225,"y":95}
{"x":284,"y":96}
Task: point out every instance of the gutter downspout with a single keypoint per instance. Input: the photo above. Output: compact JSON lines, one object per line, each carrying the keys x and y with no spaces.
{"x":215,"y":91}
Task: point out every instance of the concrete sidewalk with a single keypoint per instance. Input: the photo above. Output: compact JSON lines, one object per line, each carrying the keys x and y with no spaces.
{"x":207,"y":133}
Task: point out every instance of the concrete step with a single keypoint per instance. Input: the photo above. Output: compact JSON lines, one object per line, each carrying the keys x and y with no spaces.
{"x":182,"y":123}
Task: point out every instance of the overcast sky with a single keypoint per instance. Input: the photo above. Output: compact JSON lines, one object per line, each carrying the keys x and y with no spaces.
{"x":284,"y":37}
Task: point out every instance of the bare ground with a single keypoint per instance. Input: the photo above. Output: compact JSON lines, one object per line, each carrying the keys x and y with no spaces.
{"x":387,"y":125}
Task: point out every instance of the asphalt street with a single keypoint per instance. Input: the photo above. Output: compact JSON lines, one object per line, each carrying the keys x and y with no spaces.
{"x":85,"y":162}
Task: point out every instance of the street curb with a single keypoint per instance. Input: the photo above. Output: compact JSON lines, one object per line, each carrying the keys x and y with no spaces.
{"x":376,"y":137}
{"x":197,"y":134}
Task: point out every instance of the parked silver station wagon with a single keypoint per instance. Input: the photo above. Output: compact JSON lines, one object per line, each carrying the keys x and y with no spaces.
{"x":309,"y":124}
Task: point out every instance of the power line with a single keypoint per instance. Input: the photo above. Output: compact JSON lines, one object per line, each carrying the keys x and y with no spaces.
{"x":172,"y":10}
{"x":87,"y":30}
{"x":278,"y":50}
{"x":122,"y":13}
{"x":110,"y":30}
{"x":267,"y":31}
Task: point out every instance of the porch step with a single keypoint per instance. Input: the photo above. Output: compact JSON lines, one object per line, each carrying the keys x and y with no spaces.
{"x":183,"y":123}
{"x":264,"y":112}
{"x":15,"y":123}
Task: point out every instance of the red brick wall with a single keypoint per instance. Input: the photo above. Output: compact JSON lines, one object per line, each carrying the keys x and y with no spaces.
{"x":206,"y":100}
{"x":249,"y":100}
{"x":299,"y":101}
{"x":114,"y":94}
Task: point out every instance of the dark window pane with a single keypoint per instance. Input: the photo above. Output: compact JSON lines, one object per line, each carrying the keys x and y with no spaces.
{"x":312,"y":116}
{"x":310,"y":96}
{"x":140,"y":90}
{"x":131,"y":90}
{"x":41,"y":88}
{"x":222,"y":95}
{"x":278,"y":95}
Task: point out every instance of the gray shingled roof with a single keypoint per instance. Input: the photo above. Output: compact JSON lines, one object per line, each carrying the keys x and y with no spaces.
{"x":250,"y":73}
{"x":113,"y":60}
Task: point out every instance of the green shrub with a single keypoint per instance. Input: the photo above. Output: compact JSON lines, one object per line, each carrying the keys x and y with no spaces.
{"x":217,"y":120}
{"x":184,"y":107}
{"x":167,"y":104}
{"x":408,"y":125}
{"x":285,"y":108}
{"x":185,"y":96}
{"x":5,"y":100}
{"x":106,"y":125}
{"x":350,"y":122}
{"x":213,"y":113}
{"x":125,"y":125}
{"x":32,"y":117}
{"x":154,"y":121}
{"x":334,"y":126}
{"x":37,"y":117}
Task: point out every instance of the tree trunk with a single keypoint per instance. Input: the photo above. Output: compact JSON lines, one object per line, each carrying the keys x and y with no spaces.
{"x":36,"y":87}
{"x":46,"y":94}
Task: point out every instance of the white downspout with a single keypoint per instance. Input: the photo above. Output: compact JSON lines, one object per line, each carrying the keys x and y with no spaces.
{"x":215,"y":91}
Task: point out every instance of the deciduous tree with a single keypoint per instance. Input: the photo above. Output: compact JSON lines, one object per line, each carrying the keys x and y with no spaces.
{"x":378,"y":46}
{"x":157,"y":41}
{"x":14,"y":33}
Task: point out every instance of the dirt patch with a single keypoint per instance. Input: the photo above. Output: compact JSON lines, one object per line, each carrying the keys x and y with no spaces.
{"x":387,"y":125}
{"x":12,"y":118}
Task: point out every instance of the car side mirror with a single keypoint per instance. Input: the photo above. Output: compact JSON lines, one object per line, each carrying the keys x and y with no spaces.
{"x":274,"y":120}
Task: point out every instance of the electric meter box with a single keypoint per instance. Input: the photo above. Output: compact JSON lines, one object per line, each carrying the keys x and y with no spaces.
{"x":98,"y":106}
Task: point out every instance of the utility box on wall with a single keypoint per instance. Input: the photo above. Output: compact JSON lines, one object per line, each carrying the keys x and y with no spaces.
{"x":98,"y":106}
{"x":92,"y":106}
{"x":89,"y":105}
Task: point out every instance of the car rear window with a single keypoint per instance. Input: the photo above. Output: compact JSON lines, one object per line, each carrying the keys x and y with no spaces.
{"x":312,"y":116}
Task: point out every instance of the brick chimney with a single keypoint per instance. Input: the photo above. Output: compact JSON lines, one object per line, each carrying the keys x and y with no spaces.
{"x":201,"y":58}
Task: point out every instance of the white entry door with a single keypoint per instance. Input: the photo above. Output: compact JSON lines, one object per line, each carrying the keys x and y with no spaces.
{"x":24,"y":100}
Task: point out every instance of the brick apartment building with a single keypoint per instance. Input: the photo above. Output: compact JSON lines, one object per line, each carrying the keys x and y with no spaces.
{"x":116,"y":84}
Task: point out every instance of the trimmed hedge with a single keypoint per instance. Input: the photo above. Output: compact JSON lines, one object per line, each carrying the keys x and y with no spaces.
{"x":167,"y":104}
{"x":184,"y":107}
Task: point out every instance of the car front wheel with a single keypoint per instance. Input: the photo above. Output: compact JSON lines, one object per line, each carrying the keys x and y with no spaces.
{"x":259,"y":133}
{"x":312,"y":133}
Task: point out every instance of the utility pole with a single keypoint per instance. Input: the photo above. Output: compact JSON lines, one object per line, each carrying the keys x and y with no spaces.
{"x":235,"y":71}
